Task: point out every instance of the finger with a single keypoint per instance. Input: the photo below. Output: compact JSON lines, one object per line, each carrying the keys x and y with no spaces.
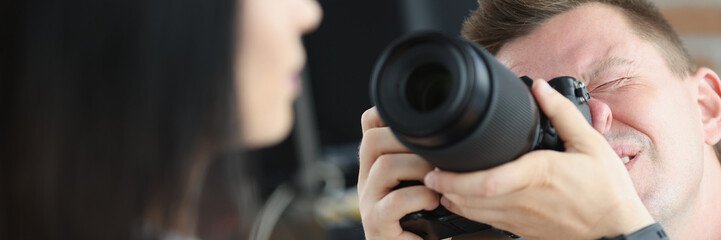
{"x":531,"y":169}
{"x":376,"y":142}
{"x":390,"y":169}
{"x":381,"y":220}
{"x":371,"y":119}
{"x":568,"y":121}
{"x":519,"y":212}
{"x":485,"y":211}
{"x":502,"y":203}
{"x":403,"y":201}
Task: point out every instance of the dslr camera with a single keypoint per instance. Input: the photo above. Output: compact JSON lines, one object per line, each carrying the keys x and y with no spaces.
{"x":451,"y":102}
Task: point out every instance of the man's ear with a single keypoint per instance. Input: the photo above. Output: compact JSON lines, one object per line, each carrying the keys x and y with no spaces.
{"x":709,"y":100}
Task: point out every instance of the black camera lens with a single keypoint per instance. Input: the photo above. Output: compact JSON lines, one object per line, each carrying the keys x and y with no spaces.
{"x":453,"y":103}
{"x":428,"y":87}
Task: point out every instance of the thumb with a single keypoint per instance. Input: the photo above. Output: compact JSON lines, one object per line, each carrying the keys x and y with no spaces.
{"x":569,"y":122}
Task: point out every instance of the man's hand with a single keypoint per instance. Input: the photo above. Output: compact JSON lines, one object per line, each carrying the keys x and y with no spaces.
{"x":384,"y":162}
{"x":582,"y":193}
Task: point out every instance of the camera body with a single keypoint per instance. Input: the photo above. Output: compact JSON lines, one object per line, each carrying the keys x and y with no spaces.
{"x":451,"y":102}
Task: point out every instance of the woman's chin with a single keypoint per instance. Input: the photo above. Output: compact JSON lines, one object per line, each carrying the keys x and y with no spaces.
{"x":272,"y":133}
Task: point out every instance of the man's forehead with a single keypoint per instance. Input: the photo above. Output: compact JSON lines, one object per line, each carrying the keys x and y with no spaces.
{"x":570,"y":43}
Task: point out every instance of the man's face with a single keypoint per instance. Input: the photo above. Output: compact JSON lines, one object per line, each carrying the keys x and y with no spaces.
{"x":644,"y":111}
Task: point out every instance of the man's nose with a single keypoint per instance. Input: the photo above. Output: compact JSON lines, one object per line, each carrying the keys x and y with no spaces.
{"x":601,"y":115}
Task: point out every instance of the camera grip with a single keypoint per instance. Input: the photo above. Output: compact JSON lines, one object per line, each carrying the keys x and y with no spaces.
{"x":438,"y":223}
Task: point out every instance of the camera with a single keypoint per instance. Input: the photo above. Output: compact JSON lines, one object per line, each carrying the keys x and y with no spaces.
{"x":452,"y":103}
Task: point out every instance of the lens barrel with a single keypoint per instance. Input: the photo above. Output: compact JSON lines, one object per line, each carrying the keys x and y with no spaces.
{"x":453,"y":103}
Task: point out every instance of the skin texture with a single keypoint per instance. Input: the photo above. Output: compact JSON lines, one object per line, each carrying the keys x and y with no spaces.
{"x":269,"y":60}
{"x":639,"y":108}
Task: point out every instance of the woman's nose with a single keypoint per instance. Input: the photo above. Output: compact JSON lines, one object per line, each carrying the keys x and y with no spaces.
{"x":309,"y":14}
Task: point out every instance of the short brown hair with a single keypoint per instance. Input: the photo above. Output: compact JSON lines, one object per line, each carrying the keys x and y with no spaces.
{"x":497,"y":22}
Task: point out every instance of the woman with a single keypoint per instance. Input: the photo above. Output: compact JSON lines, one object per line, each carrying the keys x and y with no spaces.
{"x":111,"y":110}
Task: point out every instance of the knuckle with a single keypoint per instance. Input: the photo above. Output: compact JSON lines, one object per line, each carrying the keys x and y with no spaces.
{"x":385,"y":161}
{"x":368,"y":117}
{"x":541,"y":175}
{"x":393,"y":201}
{"x":489,"y":186}
{"x":372,"y":135}
{"x":459,"y":201}
{"x":370,"y":138}
{"x":381,"y":166}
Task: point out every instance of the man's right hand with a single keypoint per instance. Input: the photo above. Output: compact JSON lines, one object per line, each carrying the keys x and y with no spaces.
{"x":384,"y":163}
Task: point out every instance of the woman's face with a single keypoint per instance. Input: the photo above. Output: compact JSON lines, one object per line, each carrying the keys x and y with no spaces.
{"x":269,"y":61}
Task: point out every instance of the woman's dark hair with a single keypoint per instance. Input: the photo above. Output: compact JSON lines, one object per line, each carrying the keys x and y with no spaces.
{"x":106,"y":108}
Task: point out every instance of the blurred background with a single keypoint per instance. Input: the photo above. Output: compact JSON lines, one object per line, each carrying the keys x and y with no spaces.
{"x":309,"y":179}
{"x":699,"y":24}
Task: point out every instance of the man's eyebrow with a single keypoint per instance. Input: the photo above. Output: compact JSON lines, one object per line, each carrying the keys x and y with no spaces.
{"x":604,"y":64}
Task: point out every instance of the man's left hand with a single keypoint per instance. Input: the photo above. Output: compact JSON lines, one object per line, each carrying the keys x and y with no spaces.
{"x":582,"y":193}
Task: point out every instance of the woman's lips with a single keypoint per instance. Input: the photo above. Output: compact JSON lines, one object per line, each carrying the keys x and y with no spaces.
{"x":296,"y":84}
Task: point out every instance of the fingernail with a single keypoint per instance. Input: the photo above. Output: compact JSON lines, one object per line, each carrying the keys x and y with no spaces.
{"x":445,"y":202}
{"x":545,"y":88}
{"x":431,"y":181}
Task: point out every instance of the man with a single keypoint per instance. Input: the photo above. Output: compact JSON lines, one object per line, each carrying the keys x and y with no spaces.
{"x":648,"y":157}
